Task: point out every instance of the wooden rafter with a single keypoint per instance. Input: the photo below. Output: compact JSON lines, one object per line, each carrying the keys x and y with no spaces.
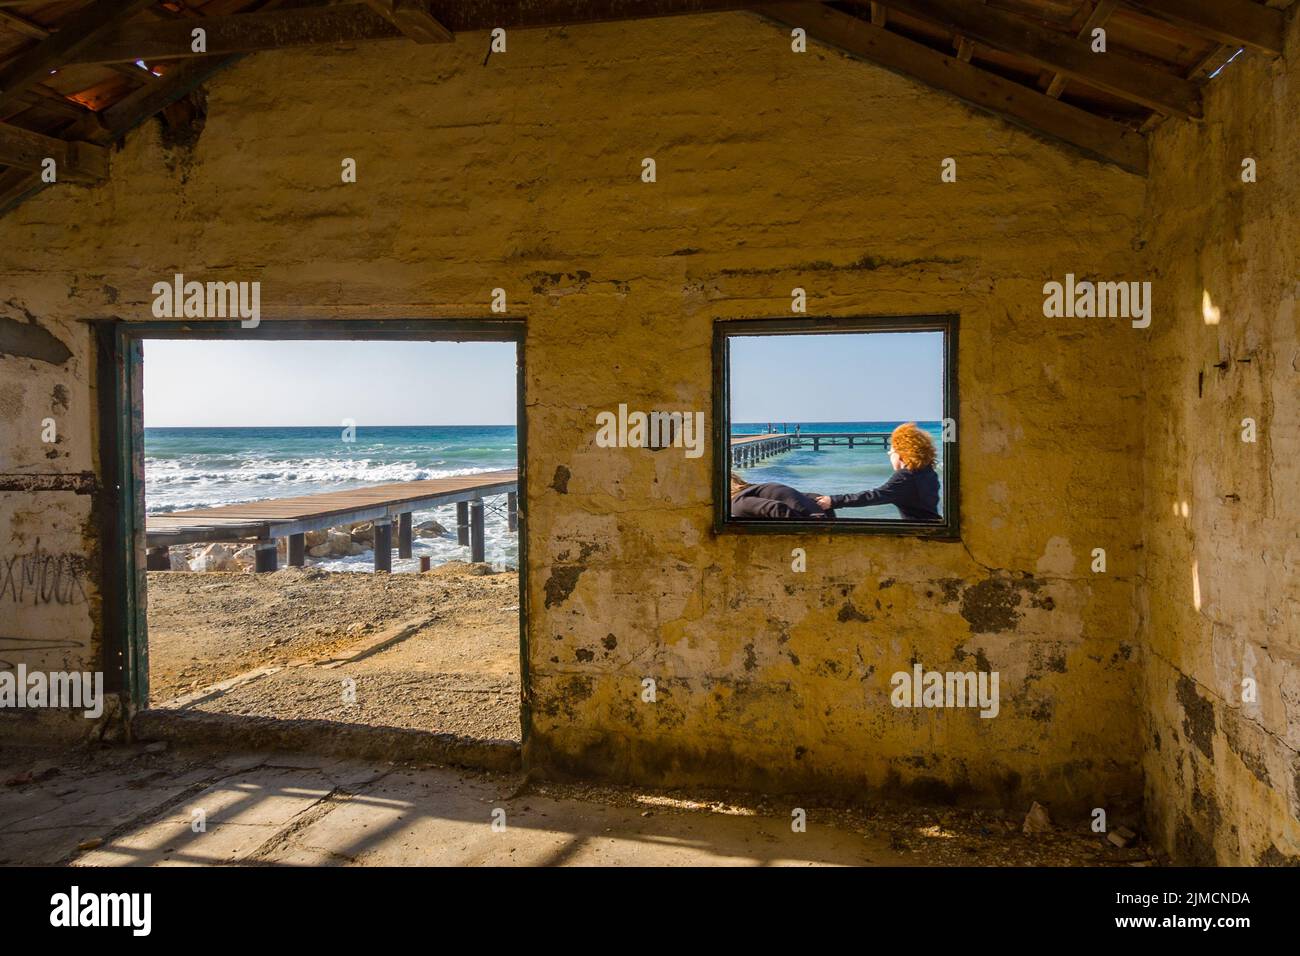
{"x":354,"y":22}
{"x":1101,"y":12}
{"x":129,"y":112}
{"x":21,"y":24}
{"x":102,"y":33}
{"x":83,"y":29}
{"x":1112,"y":72}
{"x":1239,"y":22}
{"x":414,"y":19}
{"x":1020,"y":104}
{"x":32,"y":29}
{"x":74,"y":161}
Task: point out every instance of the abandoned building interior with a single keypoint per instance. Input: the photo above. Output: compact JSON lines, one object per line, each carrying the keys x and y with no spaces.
{"x":606,"y":184}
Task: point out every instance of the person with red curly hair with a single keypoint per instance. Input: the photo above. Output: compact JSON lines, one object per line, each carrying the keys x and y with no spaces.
{"x":913,"y":488}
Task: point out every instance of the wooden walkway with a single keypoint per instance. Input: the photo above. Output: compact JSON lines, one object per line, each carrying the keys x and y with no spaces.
{"x":292,"y":518}
{"x":751,"y":449}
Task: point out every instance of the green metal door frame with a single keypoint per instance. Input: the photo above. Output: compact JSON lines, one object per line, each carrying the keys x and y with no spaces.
{"x":120,"y":384}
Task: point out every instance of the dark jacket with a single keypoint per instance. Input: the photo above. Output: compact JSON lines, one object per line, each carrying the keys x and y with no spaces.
{"x":914,"y":493}
{"x":775,"y":501}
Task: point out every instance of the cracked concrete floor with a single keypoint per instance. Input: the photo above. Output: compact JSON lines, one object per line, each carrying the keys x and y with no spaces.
{"x":131,"y":805}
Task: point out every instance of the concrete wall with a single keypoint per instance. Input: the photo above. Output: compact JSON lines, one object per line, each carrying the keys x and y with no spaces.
{"x":1221,"y":595}
{"x":775,"y":170}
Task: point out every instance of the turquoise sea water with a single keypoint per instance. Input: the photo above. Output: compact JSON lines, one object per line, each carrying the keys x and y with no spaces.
{"x":837,"y":469}
{"x":205,"y":467}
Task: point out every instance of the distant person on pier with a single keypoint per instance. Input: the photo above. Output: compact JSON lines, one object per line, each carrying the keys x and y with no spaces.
{"x":913,"y":488}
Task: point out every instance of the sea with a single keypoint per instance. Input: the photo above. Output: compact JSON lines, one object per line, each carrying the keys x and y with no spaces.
{"x":207,"y":467}
{"x":834,"y":469}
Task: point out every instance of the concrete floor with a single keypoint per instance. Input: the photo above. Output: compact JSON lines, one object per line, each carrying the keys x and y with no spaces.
{"x":129,"y":805}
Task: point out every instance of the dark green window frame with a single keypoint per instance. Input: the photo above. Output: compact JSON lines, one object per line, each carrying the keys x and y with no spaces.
{"x":949,"y":528}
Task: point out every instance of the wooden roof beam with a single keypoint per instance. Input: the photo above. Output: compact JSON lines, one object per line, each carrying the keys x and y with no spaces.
{"x":74,"y":161}
{"x":21,"y":24}
{"x":30,"y":28}
{"x":1238,"y":22}
{"x":1112,"y":72}
{"x":1026,"y":107}
{"x":413,"y":18}
{"x":1101,"y":11}
{"x":81,"y":30}
{"x":355,"y":22}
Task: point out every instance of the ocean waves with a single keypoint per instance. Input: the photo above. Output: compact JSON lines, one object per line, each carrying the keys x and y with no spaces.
{"x":195,"y":468}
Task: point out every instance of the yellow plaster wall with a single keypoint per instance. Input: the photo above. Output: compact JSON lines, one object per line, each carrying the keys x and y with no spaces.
{"x":775,"y":170}
{"x":1221,"y":599}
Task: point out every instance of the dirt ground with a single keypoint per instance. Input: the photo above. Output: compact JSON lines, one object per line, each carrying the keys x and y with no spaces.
{"x":133,"y":805}
{"x":447,"y":660}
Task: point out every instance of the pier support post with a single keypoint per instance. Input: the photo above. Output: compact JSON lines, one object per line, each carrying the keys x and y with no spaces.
{"x":297,"y":550}
{"x":462,"y":522}
{"x":817,"y":444}
{"x":157,"y":559}
{"x":404,"y":535}
{"x":476,"y":548}
{"x":264,"y":555}
{"x":512,"y":511}
{"x":384,"y":545}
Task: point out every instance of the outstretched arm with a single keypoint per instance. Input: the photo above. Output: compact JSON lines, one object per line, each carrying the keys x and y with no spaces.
{"x":887,"y":494}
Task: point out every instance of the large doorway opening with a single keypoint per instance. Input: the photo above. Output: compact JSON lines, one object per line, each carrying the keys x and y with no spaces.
{"x":320,"y":522}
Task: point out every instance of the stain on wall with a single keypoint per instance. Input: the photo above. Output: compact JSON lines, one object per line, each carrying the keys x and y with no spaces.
{"x":524,"y":174}
{"x":29,"y":339}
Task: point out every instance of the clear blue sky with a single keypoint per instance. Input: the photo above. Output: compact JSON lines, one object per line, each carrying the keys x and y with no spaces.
{"x":871,"y":376}
{"x":194,"y":383}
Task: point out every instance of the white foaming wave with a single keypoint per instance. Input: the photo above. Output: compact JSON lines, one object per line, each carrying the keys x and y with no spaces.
{"x":308,"y":471}
{"x":168,"y":492}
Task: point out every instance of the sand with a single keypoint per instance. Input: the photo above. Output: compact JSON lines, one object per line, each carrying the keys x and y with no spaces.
{"x":449,"y":660}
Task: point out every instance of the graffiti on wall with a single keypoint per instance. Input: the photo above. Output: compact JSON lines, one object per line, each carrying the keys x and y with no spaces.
{"x":38,"y":577}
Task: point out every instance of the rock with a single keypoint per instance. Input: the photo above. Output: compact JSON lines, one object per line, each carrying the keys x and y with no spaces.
{"x":356,"y":548}
{"x":215,"y":557}
{"x":362,"y":531}
{"x":90,"y":844}
{"x":1037,"y":820}
{"x":157,"y":747}
{"x":451,"y":569}
{"x":1121,"y":836}
{"x":429,"y":529}
{"x":340,"y":542}
{"x":179,"y":561}
{"x":314,"y":538}
{"x":245,"y":557}
{"x":320,"y":551}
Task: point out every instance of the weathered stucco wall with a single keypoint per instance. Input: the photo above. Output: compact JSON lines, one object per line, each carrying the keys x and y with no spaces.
{"x":775,"y":170}
{"x":1222,"y":578}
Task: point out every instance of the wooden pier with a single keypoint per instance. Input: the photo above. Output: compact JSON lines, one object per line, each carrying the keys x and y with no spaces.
{"x":751,"y":449}
{"x":264,"y":522}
